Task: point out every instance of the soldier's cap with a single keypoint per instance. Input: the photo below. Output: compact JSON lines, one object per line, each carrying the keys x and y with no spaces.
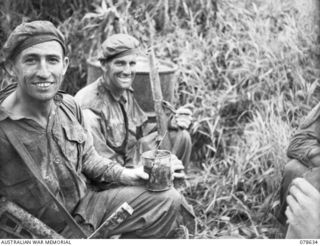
{"x":28,"y":34}
{"x":118,"y":45}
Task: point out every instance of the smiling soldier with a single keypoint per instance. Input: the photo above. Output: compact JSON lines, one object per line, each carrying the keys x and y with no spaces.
{"x":121,"y":129}
{"x":46,"y":148}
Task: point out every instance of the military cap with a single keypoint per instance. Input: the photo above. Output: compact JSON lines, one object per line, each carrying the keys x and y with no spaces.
{"x":28,"y":34}
{"x":118,"y":45}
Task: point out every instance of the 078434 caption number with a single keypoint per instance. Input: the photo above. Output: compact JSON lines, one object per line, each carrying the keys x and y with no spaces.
{"x":306,"y":242}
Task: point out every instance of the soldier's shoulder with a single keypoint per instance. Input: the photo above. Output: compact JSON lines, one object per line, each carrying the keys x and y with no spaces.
{"x":88,"y":97}
{"x":65,"y":98}
{"x":67,"y":103}
{"x":312,"y":116}
{"x":87,"y":92}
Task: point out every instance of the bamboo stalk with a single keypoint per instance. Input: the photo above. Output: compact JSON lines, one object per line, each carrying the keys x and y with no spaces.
{"x":163,"y":140}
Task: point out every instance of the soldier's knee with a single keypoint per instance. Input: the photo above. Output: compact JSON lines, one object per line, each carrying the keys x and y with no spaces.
{"x":185,"y":136}
{"x":294,"y":168}
{"x":171,"y":196}
{"x":181,"y":137}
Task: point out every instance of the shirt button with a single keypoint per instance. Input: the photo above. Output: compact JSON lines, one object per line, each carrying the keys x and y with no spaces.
{"x":57,"y":160}
{"x":47,"y":178}
{"x":58,"y":97}
{"x":80,"y":138}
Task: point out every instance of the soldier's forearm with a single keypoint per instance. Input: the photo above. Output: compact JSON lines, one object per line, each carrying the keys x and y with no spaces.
{"x":314,"y":156}
{"x":102,"y":170}
{"x":98,"y":168}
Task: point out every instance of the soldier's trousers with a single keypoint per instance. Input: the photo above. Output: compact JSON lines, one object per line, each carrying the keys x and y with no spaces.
{"x":156,"y":214}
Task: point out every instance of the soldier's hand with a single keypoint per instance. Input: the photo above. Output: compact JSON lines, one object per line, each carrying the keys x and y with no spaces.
{"x":183,"y":117}
{"x":303,"y":211}
{"x":177,"y":167}
{"x":134,"y":176}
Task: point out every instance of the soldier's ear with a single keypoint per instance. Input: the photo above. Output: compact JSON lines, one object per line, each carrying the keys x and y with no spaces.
{"x":9,"y":68}
{"x":104,"y":69}
{"x":65,"y":65}
{"x":104,"y":65}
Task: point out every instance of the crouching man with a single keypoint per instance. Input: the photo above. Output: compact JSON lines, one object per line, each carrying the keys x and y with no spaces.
{"x":49,"y":125}
{"x":299,"y":195}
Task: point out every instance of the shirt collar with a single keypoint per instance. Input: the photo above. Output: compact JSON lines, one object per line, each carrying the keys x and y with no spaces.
{"x":10,"y":89}
{"x":117,"y":98}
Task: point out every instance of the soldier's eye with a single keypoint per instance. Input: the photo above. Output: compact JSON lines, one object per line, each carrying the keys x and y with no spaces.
{"x":120,"y":63}
{"x":54,"y":60}
{"x":30,"y":60}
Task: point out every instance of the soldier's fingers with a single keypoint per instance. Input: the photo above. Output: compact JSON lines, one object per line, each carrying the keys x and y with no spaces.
{"x":297,"y":194}
{"x":289,"y":214}
{"x":305,"y":187}
{"x":144,"y":176}
{"x":141,"y":174}
{"x":292,"y":203}
{"x":178,"y":168}
{"x":174,"y":158}
{"x":179,"y":175}
{"x":184,"y":111}
{"x":176,"y":161}
{"x":189,"y":106}
{"x":177,"y":165}
{"x":184,"y":118}
{"x":184,"y":123}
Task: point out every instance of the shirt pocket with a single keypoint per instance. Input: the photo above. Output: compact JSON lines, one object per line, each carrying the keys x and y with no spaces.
{"x":20,"y":187}
{"x":74,"y":138}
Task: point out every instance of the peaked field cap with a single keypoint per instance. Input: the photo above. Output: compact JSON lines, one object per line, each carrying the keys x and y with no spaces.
{"x":118,"y":45}
{"x":28,"y":34}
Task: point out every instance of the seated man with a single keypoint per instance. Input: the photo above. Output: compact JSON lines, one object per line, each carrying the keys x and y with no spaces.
{"x":49,"y":125}
{"x":120,"y":128}
{"x":300,"y":197}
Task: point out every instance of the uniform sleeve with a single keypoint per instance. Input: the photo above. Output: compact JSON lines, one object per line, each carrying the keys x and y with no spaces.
{"x":304,"y":145}
{"x":94,"y":125}
{"x":96,"y":166}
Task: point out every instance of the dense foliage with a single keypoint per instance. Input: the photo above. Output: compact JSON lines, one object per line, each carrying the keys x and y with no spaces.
{"x":250,"y":69}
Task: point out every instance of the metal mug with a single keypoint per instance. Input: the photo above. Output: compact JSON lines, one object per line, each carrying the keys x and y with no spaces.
{"x":157,"y":163}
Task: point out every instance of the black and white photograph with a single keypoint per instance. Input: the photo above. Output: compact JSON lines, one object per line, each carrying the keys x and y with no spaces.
{"x":159,"y":119}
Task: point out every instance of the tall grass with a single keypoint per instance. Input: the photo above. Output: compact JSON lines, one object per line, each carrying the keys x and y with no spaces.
{"x":252,"y":74}
{"x":250,"y":70}
{"x":237,"y":196}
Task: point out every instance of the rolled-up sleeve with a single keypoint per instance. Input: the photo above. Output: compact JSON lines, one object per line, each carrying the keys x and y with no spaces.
{"x":304,"y":145}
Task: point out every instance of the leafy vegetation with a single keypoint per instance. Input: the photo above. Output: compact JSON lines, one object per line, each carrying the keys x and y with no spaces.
{"x":250,"y":69}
